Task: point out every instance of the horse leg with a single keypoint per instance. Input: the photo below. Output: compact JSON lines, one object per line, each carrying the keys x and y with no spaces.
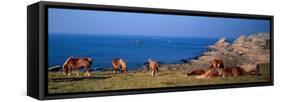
{"x":123,"y":70}
{"x":69,"y":71}
{"x":152,"y":73}
{"x":200,"y":76}
{"x":65,"y":70}
{"x":87,"y":74}
{"x":77,"y":72}
{"x":64,"y":73}
{"x":114,"y":70}
{"x":87,"y":71}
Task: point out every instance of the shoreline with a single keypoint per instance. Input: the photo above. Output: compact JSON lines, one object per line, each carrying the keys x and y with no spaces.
{"x":179,"y":61}
{"x":161,"y":63}
{"x":142,"y":66}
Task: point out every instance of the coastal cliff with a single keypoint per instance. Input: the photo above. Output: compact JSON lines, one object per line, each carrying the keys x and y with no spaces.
{"x":244,"y":50}
{"x":252,"y":49}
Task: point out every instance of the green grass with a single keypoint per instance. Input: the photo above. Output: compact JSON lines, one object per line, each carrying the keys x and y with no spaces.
{"x":100,"y":81}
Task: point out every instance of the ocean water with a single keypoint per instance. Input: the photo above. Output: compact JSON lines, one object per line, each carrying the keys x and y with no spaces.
{"x":135,"y":50}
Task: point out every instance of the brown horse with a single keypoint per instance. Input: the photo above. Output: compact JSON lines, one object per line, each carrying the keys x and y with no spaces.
{"x":217,"y":63}
{"x":232,"y":72}
{"x":119,"y":63}
{"x":214,"y":72}
{"x":76,"y":64}
{"x":195,"y":71}
{"x":153,"y":65}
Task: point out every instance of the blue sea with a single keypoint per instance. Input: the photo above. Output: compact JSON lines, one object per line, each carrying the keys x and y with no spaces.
{"x":135,"y":50}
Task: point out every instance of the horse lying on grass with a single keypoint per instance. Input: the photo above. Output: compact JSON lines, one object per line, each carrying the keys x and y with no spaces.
{"x":252,"y":69}
{"x":214,"y":72}
{"x":195,"y":71}
{"x":217,"y":69}
{"x":246,"y":69}
{"x":232,"y":72}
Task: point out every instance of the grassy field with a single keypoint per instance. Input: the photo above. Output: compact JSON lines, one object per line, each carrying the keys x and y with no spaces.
{"x":106,"y":80}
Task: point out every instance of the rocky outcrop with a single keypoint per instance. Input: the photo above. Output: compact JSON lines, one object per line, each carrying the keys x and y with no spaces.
{"x":252,"y":49}
{"x":244,"y":50}
{"x":219,"y":45}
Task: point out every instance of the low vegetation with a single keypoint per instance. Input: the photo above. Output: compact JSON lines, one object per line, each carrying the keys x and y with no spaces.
{"x":106,"y":80}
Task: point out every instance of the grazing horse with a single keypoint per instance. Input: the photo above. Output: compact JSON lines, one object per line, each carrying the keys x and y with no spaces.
{"x":76,"y":64}
{"x":232,"y":72}
{"x":195,"y":71}
{"x":116,"y":63}
{"x":153,"y":65}
{"x":217,"y":63}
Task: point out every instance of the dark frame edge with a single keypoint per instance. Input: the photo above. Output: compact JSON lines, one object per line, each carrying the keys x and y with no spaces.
{"x":272,"y":50}
{"x":154,"y":10}
{"x":41,"y":51}
{"x":33,"y":50}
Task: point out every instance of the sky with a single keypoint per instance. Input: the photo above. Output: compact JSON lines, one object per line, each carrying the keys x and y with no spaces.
{"x":92,"y":22}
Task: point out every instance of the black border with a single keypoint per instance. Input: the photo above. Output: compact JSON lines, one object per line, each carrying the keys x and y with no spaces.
{"x":43,"y":20}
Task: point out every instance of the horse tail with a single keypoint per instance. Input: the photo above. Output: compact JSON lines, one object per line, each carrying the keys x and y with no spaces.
{"x":123,"y":65}
{"x":155,"y":66}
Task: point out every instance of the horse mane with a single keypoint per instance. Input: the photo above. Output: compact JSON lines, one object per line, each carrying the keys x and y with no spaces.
{"x":66,"y":62}
{"x":121,"y":61}
{"x":151,"y":60}
{"x":89,"y":59}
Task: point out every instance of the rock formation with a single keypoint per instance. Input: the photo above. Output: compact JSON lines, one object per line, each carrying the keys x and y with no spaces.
{"x":245,"y":49}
